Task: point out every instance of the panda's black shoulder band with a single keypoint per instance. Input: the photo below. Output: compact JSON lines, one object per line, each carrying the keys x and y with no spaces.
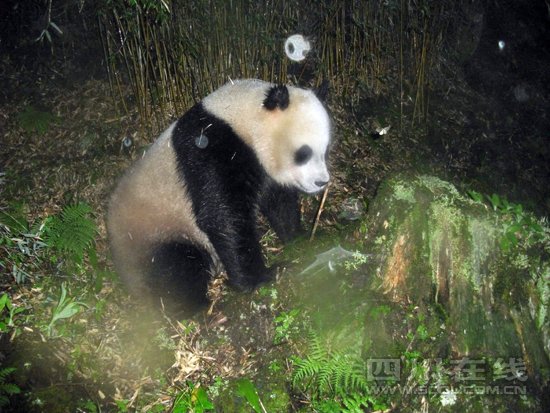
{"x":277,"y":97}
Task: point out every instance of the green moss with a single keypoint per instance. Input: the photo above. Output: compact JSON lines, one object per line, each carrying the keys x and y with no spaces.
{"x":403,"y":192}
{"x":543,"y":289}
{"x":510,"y":283}
{"x":436,"y":185}
{"x":482,"y":236}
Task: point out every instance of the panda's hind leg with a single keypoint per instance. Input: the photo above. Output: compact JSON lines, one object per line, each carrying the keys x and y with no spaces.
{"x":179,"y":273}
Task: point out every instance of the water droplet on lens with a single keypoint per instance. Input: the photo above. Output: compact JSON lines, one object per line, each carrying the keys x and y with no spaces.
{"x":201,"y":141}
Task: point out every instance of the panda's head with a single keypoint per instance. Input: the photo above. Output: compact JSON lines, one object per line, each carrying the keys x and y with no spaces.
{"x":299,"y":133}
{"x":287,"y":127}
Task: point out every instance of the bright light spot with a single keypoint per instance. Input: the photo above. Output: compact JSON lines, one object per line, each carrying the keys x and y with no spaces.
{"x":297,"y":47}
{"x":448,"y":398}
{"x":127,"y":142}
{"x":501,"y":45}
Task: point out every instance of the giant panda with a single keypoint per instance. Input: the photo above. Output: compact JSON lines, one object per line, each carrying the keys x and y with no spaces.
{"x":188,"y":207}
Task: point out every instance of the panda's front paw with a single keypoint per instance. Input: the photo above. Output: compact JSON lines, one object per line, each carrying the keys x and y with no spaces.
{"x":250,"y":282}
{"x":270,"y":274}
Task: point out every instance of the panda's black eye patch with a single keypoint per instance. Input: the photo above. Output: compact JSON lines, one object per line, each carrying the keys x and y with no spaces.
{"x":303,"y":155}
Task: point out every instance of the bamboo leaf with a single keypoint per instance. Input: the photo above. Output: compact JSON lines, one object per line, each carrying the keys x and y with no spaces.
{"x":56,"y":27}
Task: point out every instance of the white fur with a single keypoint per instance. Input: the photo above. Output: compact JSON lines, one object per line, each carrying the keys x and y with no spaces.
{"x":150,"y":206}
{"x":276,"y":135}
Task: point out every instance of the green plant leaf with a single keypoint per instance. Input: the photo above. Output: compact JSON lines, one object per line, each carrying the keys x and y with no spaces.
{"x":62,"y":296}
{"x":67,"y":311}
{"x":181,"y":405}
{"x":495,"y":201}
{"x":66,"y":308}
{"x":122,"y":405}
{"x":201,"y":403}
{"x":476,"y":196}
{"x":4,"y":300}
{"x":246,"y":389}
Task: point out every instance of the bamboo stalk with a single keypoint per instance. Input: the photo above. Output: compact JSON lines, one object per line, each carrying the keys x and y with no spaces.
{"x":169,"y":63}
{"x":319,"y":211}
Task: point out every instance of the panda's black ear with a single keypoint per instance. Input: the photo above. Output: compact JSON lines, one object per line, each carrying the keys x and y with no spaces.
{"x":277,"y":97}
{"x":322,"y":90}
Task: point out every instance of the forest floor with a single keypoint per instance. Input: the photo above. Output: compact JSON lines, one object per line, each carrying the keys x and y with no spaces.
{"x":62,"y":143}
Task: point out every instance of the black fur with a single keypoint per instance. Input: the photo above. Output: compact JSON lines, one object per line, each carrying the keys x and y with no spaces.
{"x":227,"y":185}
{"x":180,"y":275}
{"x":277,"y":97}
{"x":303,"y":155}
{"x":281,"y":208}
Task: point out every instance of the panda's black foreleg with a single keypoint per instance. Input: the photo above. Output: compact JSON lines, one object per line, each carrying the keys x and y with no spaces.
{"x":281,"y":207}
{"x":239,"y":250}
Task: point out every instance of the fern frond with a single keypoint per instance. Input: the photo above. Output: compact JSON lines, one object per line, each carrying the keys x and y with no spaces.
{"x":9,"y":388}
{"x":356,"y":378}
{"x":340,"y":376}
{"x":355,"y":403}
{"x":324,"y":378}
{"x":329,"y":373}
{"x":316,"y":349}
{"x":304,"y":369}
{"x":73,"y":231}
{"x":5,"y":372}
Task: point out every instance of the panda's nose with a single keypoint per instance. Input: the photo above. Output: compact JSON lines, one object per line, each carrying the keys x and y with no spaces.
{"x":320,"y":184}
